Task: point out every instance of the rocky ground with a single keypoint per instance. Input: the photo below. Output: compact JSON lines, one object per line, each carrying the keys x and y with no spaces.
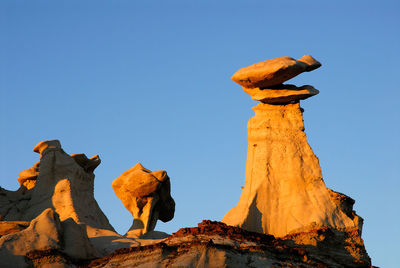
{"x":215,"y":244}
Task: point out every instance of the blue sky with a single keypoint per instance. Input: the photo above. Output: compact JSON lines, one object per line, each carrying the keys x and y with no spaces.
{"x":150,"y":82}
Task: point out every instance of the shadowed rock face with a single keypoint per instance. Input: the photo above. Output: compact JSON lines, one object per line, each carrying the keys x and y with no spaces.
{"x":147,"y":195}
{"x":61,"y":182}
{"x":284,"y":191}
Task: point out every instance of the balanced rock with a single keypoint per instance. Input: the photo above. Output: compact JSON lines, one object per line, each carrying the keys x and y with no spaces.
{"x":284,"y":190}
{"x":274,"y":72}
{"x":59,"y":181}
{"x":147,"y":195}
{"x":281,"y":94}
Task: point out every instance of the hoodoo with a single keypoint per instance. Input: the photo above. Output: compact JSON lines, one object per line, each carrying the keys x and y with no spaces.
{"x":284,"y":190}
{"x":147,"y":196}
{"x":286,"y":216}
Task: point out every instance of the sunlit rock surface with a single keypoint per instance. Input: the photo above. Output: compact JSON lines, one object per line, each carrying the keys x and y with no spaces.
{"x":274,"y":72}
{"x":53,"y":220}
{"x":45,"y":232}
{"x":147,"y":195}
{"x":284,"y":191}
{"x":281,"y":94}
{"x":62,"y":182}
{"x":214,"y":244}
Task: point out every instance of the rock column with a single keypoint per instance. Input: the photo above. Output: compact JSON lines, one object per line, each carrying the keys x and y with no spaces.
{"x":284,"y":191}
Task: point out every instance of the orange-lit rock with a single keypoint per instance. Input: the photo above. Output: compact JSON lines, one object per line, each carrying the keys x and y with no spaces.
{"x":274,"y":72}
{"x":28,"y":177}
{"x":284,"y":191}
{"x":9,"y":227}
{"x":64,"y":183}
{"x":281,"y":94}
{"x":45,"y":232}
{"x":147,"y":195}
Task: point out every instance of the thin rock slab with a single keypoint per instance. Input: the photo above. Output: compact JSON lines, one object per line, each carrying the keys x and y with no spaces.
{"x":281,"y":94}
{"x":274,"y":72}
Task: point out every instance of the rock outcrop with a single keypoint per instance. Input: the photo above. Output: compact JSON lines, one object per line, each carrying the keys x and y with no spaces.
{"x":147,"y":196}
{"x":45,"y":232}
{"x":214,"y":244}
{"x":286,"y":216}
{"x":59,"y":181}
{"x":284,"y":190}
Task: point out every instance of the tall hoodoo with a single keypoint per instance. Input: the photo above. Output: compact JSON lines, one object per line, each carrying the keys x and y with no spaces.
{"x":284,"y":191}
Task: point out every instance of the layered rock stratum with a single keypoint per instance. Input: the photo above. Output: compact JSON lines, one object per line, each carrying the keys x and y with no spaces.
{"x":215,"y":244}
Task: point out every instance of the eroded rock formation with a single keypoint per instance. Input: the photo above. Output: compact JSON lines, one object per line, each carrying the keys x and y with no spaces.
{"x":53,"y":220}
{"x":59,"y":181}
{"x":147,"y":196}
{"x":45,"y":232}
{"x":214,"y":244}
{"x":54,"y":211}
{"x":284,"y":191}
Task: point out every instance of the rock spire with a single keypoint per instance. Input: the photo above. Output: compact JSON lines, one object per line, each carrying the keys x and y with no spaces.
{"x":284,"y":190}
{"x":58,"y":181}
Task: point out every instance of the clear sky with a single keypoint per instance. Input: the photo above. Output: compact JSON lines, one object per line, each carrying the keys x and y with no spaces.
{"x":150,"y":82}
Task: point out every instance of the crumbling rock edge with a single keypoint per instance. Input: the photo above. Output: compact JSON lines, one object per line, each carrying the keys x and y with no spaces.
{"x":215,"y":244}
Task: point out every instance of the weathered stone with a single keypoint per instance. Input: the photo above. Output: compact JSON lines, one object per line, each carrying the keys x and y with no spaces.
{"x":63,"y":183}
{"x":88,"y":164}
{"x":43,"y":233}
{"x":284,"y":191}
{"x":147,"y":195}
{"x":214,"y":244}
{"x":281,"y":94}
{"x":10,"y":227}
{"x":28,"y":177}
{"x":46,"y":232}
{"x":51,"y":145}
{"x":274,"y":72}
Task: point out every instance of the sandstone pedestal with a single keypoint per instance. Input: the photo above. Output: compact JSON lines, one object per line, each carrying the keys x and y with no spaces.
{"x":284,"y":191}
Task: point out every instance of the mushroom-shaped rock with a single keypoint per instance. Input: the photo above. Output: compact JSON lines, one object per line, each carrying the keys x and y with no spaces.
{"x":147,"y":195}
{"x":274,"y":72}
{"x":284,"y":191}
